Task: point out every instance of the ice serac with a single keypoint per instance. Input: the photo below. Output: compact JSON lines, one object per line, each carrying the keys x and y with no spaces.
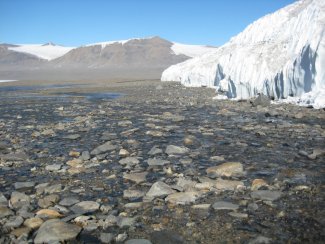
{"x":281,"y":55}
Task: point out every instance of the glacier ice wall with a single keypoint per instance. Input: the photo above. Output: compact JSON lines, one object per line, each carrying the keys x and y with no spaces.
{"x":281,"y":55}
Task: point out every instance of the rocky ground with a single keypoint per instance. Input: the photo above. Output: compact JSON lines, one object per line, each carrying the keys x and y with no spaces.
{"x":159,"y":164}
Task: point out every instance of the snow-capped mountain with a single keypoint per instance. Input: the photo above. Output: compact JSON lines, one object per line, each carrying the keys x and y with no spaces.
{"x":281,"y":55}
{"x":46,"y":51}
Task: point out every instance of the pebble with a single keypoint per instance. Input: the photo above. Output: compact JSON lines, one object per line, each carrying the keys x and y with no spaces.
{"x":176,"y":150}
{"x":136,"y":177}
{"x":19,"y":199}
{"x":129,"y":161}
{"x":108,"y":146}
{"x":33,"y":223}
{"x":157,"y":162}
{"x":106,"y":237}
{"x":182,"y":197}
{"x":24,"y":185}
{"x":69,"y":201}
{"x":229,"y":169}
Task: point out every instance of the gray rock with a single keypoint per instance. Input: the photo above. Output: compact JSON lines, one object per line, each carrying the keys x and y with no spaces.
{"x":53,"y":167}
{"x":85,"y":155}
{"x":48,"y":201}
{"x":133,"y":194}
{"x":166,"y":236}
{"x":261,"y":240}
{"x":182,"y":197}
{"x":24,"y":185}
{"x":136,"y":177}
{"x":175,"y":150}
{"x":54,"y":230}
{"x":261,"y":100}
{"x":14,"y":222}
{"x":138,"y":241}
{"x":3,"y":200}
{"x":108,"y":146}
{"x":157,"y":162}
{"x":106,"y":238}
{"x":155,"y":150}
{"x":124,"y":123}
{"x":129,"y":161}
{"x":222,"y":205}
{"x":85,"y":207}
{"x":125,"y":222}
{"x":160,"y":189}
{"x":19,"y":200}
{"x":266,"y":195}
{"x":68,"y":201}
{"x":4,"y":212}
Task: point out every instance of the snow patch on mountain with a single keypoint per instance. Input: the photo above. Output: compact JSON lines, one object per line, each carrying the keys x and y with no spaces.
{"x":47,"y":51}
{"x":190,"y":50}
{"x":107,"y":43}
{"x":281,"y":55}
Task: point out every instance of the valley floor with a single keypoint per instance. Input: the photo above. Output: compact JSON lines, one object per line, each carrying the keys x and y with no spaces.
{"x":111,"y":162}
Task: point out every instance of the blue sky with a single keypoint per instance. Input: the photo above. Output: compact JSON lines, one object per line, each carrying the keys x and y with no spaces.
{"x":78,"y":22}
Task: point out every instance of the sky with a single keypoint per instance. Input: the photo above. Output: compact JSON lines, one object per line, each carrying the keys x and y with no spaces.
{"x":80,"y":22}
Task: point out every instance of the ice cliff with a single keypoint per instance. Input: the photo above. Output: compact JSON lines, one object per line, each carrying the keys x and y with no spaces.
{"x":281,"y":55}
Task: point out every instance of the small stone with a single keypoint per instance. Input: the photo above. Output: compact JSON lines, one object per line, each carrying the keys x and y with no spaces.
{"x":157,"y":162}
{"x":53,"y":167}
{"x":85,"y":155}
{"x":222,"y":205}
{"x":75,"y":163}
{"x":266,"y":195}
{"x":129,"y":161}
{"x":124,"y":123}
{"x":229,"y":169}
{"x":85,"y":207}
{"x":160,"y":189}
{"x":176,"y":150}
{"x":108,"y":146}
{"x":238,"y":215}
{"x":33,"y":223}
{"x":136,"y":177}
{"x":261,"y":100}
{"x":24,"y":185}
{"x":260,"y":240}
{"x":3,"y":200}
{"x":14,"y":222}
{"x":74,"y":154}
{"x":48,"y":214}
{"x":133,"y":194}
{"x":138,"y":241}
{"x":56,"y":231}
{"x":106,"y":238}
{"x":123,"y":153}
{"x":133,"y":205}
{"x":121,"y":237}
{"x":68,"y":201}
{"x":201,"y":206}
{"x":53,"y":189}
{"x":182,"y":197}
{"x":19,"y":200}
{"x":72,"y":137}
{"x":125,"y":222}
{"x":229,"y":185}
{"x":155,"y":150}
{"x":21,"y":231}
{"x":316,"y":153}
{"x":48,"y":201}
{"x":216,"y":159}
{"x":257,"y":184}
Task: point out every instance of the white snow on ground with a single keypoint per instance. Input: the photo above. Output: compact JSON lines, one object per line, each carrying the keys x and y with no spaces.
{"x":191,"y":50}
{"x":47,"y":51}
{"x":281,"y":55}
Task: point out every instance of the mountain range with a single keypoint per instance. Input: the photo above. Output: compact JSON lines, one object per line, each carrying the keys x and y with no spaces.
{"x":281,"y":55}
{"x":146,"y":56}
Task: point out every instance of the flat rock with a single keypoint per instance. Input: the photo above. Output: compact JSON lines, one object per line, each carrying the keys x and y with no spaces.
{"x":108,"y":146}
{"x":229,"y":169}
{"x":166,"y":236}
{"x":262,"y":100}
{"x":266,"y":195}
{"x":69,"y":201}
{"x":229,"y":185}
{"x":125,"y":222}
{"x":106,"y":237}
{"x":14,"y":222}
{"x":182,"y":197}
{"x":3,"y":200}
{"x":222,"y":205}
{"x":160,"y":189}
{"x":72,"y":137}
{"x":56,"y":231}
{"x":155,"y":150}
{"x":136,"y":177}
{"x":176,"y":150}
{"x":24,"y":185}
{"x":53,"y":167}
{"x":85,"y":207}
{"x":48,"y":214}
{"x":157,"y":162}
{"x":133,"y":194}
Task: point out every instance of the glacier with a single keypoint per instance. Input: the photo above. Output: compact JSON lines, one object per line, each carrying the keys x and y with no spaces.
{"x":281,"y":55}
